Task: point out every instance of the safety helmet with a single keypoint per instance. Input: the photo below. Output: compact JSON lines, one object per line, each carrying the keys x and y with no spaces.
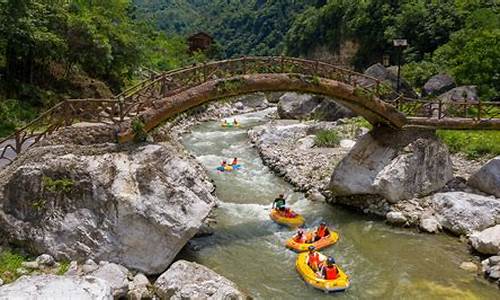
{"x":311,"y":248}
{"x":330,"y":260}
{"x":323,"y":223}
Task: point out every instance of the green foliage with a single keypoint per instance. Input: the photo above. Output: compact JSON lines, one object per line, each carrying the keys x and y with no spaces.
{"x":14,"y":114}
{"x":140,"y":135}
{"x":473,"y":143}
{"x":327,"y":138}
{"x":9,"y":262}
{"x":63,"y":268}
{"x":62,"y":186}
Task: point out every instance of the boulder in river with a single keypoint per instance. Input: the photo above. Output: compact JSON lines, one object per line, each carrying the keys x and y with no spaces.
{"x":487,"y":241}
{"x":464,"y":93}
{"x":438,"y":84}
{"x":136,"y":206}
{"x":306,"y":106}
{"x":57,"y":287}
{"x":396,"y":218}
{"x":115,"y":275}
{"x":188,"y":280}
{"x":395,"y":164}
{"x":487,"y":179}
{"x":462,"y":213}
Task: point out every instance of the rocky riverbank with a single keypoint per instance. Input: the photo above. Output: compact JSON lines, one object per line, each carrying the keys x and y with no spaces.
{"x":86,"y":199}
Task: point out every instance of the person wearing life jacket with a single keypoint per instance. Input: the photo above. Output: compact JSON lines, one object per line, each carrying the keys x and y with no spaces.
{"x":321,"y":232}
{"x":299,"y":237}
{"x":279,"y":203}
{"x":235,"y":161}
{"x":309,"y":237}
{"x":223,"y":164}
{"x":224,"y":124}
{"x":313,"y":260}
{"x":235,"y":122}
{"x":330,"y":271}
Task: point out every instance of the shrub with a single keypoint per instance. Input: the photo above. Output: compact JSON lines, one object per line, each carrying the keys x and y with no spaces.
{"x":327,"y":138}
{"x":140,"y":135}
{"x":473,"y":143}
{"x":9,"y":262}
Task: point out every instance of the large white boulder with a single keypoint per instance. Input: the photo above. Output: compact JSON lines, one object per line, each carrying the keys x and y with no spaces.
{"x":395,"y":164}
{"x":136,"y":206}
{"x":56,"y":287}
{"x":487,"y":179}
{"x":463,"y":213}
{"x":487,"y":241}
{"x":187,"y":280}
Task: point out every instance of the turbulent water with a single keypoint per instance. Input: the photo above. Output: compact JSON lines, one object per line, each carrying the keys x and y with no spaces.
{"x":383,"y":262}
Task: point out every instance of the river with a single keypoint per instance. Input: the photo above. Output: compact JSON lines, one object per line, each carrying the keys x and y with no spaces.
{"x":383,"y":262}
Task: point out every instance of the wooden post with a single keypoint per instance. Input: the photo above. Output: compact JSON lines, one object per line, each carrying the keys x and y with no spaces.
{"x":244,"y":65}
{"x":205,"y":72}
{"x":440,"y":105}
{"x":479,"y":107}
{"x":282,"y":67}
{"x":316,"y":64}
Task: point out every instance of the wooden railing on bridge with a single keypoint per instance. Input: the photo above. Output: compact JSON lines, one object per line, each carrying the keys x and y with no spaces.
{"x":143,"y":95}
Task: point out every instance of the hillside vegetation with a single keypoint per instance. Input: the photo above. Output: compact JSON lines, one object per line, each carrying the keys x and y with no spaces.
{"x":54,"y":49}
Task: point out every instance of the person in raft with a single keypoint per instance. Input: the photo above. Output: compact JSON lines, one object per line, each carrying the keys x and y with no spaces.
{"x":223,"y":164}
{"x":321,"y":232}
{"x":299,"y":237}
{"x":235,"y":122}
{"x":235,"y":162}
{"x":330,"y":271}
{"x":313,"y":260}
{"x":279,"y":203}
{"x":225,"y":123}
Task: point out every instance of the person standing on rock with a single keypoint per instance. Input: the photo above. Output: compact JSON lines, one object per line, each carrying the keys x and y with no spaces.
{"x":280,"y":203}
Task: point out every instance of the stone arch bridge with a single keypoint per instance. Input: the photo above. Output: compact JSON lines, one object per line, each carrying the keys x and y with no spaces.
{"x":167,"y":94}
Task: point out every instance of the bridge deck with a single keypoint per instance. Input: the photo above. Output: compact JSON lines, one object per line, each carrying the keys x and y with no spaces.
{"x":141,"y":99}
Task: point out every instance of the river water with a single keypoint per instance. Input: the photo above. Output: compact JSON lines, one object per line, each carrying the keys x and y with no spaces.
{"x":383,"y":262}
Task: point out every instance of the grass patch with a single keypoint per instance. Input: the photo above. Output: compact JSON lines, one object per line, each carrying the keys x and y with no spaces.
{"x":63,"y":268}
{"x":14,"y":114}
{"x":9,"y":262}
{"x":474,"y":144}
{"x":327,"y":138}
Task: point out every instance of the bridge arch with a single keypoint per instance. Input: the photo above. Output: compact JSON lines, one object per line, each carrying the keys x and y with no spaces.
{"x":359,"y":101}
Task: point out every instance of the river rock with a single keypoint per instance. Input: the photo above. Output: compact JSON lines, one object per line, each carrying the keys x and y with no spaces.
{"x":315,"y":196}
{"x":395,"y":218}
{"x":136,"y":206}
{"x":56,"y":287}
{"x":382,"y":73}
{"x":138,"y":288}
{"x":487,"y":179}
{"x":438,"y":84}
{"x":469,"y":266}
{"x":257,"y":100}
{"x":347,"y":144}
{"x":115,"y":275}
{"x":395,"y":164}
{"x":305,"y":106}
{"x":460,"y":94}
{"x":491,"y":267}
{"x":462,"y":213}
{"x":89,"y":266}
{"x":430,"y":224}
{"x":487,"y":241}
{"x":45,"y":260}
{"x":32,"y":265}
{"x":187,"y":280}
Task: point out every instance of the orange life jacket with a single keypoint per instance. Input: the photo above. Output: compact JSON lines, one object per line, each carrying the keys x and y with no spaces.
{"x":321,"y":232}
{"x":299,"y":239}
{"x":309,"y":237}
{"x":331,"y":273}
{"x":313,"y":260}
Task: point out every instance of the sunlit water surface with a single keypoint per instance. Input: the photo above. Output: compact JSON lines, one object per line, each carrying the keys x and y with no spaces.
{"x":383,"y":262}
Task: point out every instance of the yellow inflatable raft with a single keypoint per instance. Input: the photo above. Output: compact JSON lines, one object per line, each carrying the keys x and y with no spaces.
{"x":309,"y":276}
{"x":296,"y":221}
{"x":229,"y":125}
{"x":323,"y":243}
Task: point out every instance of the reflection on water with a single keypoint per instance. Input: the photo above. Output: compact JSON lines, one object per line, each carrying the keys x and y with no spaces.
{"x":383,"y":262}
